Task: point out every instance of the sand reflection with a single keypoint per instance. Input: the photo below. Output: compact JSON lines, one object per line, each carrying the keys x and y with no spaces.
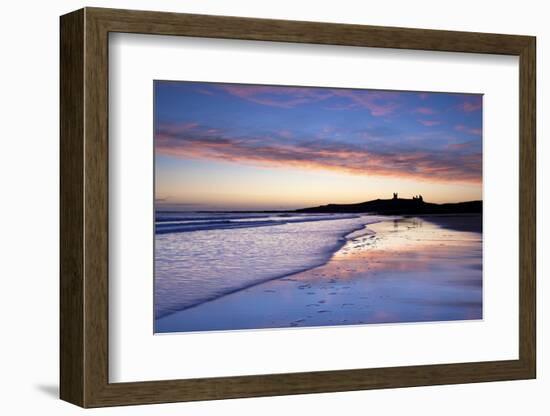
{"x":406,"y":270}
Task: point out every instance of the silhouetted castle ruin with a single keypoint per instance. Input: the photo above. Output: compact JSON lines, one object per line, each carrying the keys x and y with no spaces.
{"x":400,"y":206}
{"x":414,"y":198}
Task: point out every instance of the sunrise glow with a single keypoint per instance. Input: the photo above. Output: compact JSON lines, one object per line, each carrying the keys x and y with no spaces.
{"x":246,"y":147}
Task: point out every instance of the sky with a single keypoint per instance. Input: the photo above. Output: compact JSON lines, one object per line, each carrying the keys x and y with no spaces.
{"x":256,"y":147}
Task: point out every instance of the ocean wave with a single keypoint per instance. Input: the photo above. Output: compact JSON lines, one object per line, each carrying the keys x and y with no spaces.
{"x":167,"y":216}
{"x":196,"y":267}
{"x":205,"y":223}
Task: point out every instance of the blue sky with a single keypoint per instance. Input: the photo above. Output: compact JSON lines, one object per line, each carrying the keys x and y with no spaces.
{"x":237,"y":146}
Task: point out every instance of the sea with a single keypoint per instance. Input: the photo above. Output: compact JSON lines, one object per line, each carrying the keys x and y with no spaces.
{"x":201,"y":256}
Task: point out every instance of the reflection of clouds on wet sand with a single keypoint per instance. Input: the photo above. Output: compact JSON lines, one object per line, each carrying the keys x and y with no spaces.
{"x":410,"y":245}
{"x":408,"y":270}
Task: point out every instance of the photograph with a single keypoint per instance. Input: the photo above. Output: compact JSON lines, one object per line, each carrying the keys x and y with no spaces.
{"x":304,"y":206}
{"x":274,"y":204}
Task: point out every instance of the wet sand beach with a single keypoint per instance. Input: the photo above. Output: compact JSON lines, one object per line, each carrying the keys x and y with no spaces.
{"x":405,"y":270}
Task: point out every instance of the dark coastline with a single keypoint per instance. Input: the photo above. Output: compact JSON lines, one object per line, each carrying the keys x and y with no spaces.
{"x":394,"y":206}
{"x":398,"y":206}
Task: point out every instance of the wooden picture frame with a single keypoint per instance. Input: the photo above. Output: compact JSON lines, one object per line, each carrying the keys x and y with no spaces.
{"x":84,"y":207}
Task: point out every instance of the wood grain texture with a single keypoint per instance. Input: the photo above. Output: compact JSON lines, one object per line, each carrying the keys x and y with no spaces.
{"x":84,"y":207}
{"x":96,"y":219}
{"x":527,"y":207}
{"x":71,"y":185}
{"x":162,"y":23}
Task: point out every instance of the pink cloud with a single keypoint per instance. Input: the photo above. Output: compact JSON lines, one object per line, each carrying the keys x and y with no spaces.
{"x":287,"y":134}
{"x":179,"y":128}
{"x":468,"y":130}
{"x":463,"y":146}
{"x":470,"y":105}
{"x":287,"y":97}
{"x":436,"y":165}
{"x":379,"y":104}
{"x":429,"y":123}
{"x":425,"y":110}
{"x":205,"y":92}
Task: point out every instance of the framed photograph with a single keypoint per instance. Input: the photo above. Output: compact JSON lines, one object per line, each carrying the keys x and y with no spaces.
{"x":254,"y":207}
